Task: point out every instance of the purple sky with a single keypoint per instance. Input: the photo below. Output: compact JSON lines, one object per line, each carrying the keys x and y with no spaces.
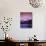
{"x":24,"y":16}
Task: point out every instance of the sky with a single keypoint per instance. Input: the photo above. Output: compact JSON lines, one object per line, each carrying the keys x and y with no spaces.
{"x":25,"y":16}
